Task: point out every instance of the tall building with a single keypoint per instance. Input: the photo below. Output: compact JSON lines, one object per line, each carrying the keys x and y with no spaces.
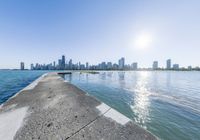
{"x":103,"y":65}
{"x":63,"y":62}
{"x":121,"y":63}
{"x":155,"y":65}
{"x":109,"y":65}
{"x":115,"y":66}
{"x":82,"y":67}
{"x":32,"y":67}
{"x":54,"y":64}
{"x":168,"y":64}
{"x":59,"y":64}
{"x":87,"y":65}
{"x":70,"y":64}
{"x":176,"y":66}
{"x":22,"y":65}
{"x":134,"y":66}
{"x":79,"y":65}
{"x":189,"y":67}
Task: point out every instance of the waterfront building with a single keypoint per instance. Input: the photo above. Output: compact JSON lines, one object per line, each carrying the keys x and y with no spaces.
{"x":189,"y":67}
{"x":82,"y":67}
{"x":115,"y":66}
{"x":109,"y":65}
{"x":87,"y":66}
{"x":70,"y":64}
{"x":63,"y":63}
{"x":32,"y":67}
{"x":59,"y":64}
{"x":22,"y":65}
{"x":79,"y":65}
{"x":54,"y":64}
{"x":134,"y":66}
{"x":103,"y":66}
{"x":155,"y":65}
{"x":176,"y":66}
{"x":197,"y":68}
{"x":36,"y":66}
{"x":168,"y":64}
{"x":121,"y":63}
{"x":75,"y":66}
{"x":66,"y":65}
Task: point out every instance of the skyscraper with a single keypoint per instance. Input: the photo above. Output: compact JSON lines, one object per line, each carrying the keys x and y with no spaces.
{"x":155,"y":65}
{"x":103,"y":65}
{"x":121,"y":63}
{"x":109,"y":65}
{"x":32,"y":67}
{"x":70,"y":64}
{"x":189,"y":67}
{"x":59,"y":64}
{"x":63,"y":63}
{"x":22,"y":65}
{"x":176,"y":66}
{"x":168,"y":64}
{"x":87,"y":65}
{"x":79,"y":65}
{"x":134,"y":66}
{"x":54,"y":64}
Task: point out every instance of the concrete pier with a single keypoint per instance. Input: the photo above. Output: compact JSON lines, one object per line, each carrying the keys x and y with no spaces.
{"x":51,"y":109}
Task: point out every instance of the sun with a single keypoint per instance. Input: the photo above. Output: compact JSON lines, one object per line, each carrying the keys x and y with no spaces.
{"x":143,"y":40}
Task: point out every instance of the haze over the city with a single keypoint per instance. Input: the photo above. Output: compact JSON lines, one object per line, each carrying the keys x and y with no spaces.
{"x":99,"y":30}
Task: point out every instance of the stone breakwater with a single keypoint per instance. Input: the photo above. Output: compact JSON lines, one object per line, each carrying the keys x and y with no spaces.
{"x":51,"y":109}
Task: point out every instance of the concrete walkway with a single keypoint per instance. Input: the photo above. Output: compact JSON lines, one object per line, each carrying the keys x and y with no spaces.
{"x":51,"y":109}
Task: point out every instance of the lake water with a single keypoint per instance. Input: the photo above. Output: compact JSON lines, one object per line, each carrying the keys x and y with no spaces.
{"x":12,"y":81}
{"x":167,"y":103}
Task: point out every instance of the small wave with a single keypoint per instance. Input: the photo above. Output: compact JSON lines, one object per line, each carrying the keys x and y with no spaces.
{"x":184,"y":102}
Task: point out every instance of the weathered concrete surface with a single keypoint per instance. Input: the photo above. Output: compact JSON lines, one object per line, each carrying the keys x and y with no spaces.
{"x":59,"y":111}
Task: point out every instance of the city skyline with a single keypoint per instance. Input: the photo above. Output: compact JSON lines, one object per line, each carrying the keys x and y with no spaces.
{"x":161,"y":64}
{"x":68,"y":64}
{"x":142,"y":31}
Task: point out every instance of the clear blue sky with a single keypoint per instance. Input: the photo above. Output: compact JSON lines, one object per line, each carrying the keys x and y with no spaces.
{"x":99,"y":30}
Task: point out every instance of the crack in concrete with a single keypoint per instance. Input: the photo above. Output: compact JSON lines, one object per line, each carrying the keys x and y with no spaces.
{"x":87,"y":124}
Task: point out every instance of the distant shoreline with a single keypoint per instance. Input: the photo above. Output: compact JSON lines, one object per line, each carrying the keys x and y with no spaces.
{"x":102,"y":70}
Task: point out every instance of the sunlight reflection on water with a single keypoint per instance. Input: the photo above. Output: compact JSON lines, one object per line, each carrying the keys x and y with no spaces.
{"x":141,"y":99}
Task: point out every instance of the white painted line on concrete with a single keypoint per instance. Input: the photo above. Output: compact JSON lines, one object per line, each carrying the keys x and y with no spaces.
{"x":10,"y":122}
{"x":113,"y":114}
{"x":103,"y":108}
{"x":118,"y":117}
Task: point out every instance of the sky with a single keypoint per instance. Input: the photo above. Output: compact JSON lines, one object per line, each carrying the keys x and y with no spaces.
{"x":40,"y":31}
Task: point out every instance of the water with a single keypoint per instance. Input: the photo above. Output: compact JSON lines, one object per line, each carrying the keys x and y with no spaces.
{"x":12,"y":81}
{"x":166,"y":103}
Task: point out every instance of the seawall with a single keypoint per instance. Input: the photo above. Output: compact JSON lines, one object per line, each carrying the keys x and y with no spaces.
{"x":50,"y":108}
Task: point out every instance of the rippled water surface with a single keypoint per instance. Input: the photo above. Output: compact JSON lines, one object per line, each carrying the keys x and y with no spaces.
{"x":12,"y":81}
{"x":165,"y":103}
